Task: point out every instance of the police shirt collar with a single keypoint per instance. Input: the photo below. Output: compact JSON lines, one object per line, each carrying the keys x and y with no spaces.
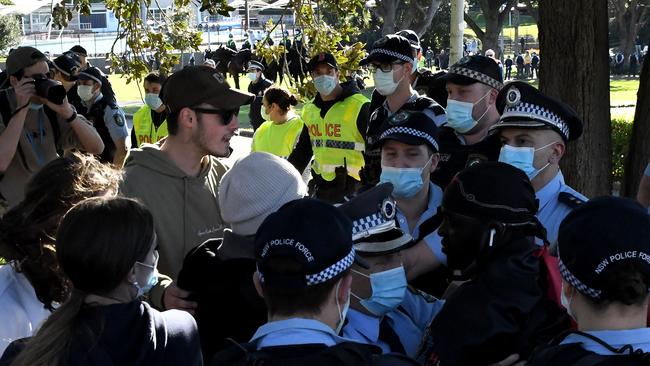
{"x":550,"y":190}
{"x":288,"y":332}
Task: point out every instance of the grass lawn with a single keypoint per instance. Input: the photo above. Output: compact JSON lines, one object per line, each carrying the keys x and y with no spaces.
{"x":622,"y":92}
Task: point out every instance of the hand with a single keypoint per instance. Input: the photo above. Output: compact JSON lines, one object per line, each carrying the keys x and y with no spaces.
{"x":25,"y":90}
{"x":510,"y":361}
{"x":174,"y":298}
{"x":64,"y":109}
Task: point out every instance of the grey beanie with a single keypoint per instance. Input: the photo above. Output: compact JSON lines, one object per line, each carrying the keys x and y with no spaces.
{"x":256,"y":186}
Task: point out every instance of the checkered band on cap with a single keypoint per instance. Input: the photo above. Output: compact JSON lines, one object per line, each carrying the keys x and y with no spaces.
{"x":478,"y":76}
{"x":533,"y":111}
{"x":368,"y":222}
{"x":409,"y":131}
{"x":575,"y":282}
{"x":390,"y":53}
{"x":326,"y":274}
{"x":331,"y":271}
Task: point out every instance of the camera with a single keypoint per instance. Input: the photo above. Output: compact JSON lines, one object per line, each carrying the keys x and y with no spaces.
{"x":49,"y":89}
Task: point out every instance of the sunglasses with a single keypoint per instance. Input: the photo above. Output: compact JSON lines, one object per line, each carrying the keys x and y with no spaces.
{"x":225,"y":114}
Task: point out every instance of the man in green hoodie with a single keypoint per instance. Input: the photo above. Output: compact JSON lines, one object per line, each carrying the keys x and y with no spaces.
{"x":178,"y":178}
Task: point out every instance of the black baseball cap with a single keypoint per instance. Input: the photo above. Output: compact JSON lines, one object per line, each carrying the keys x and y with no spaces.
{"x":409,"y":127}
{"x":79,"y":50}
{"x":373,"y":222}
{"x":521,"y":105}
{"x":598,"y":234}
{"x":314,"y":234}
{"x":23,"y":57}
{"x":492,"y":191}
{"x":194,"y":85}
{"x":476,"y":69}
{"x":389,"y":48}
{"x":322,"y":58}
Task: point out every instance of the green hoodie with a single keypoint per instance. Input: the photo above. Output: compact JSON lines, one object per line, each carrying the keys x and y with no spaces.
{"x":185,"y":209}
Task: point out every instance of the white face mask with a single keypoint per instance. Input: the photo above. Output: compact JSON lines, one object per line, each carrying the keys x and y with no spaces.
{"x":85,"y":92}
{"x":566,"y":302}
{"x":342,"y":312}
{"x":384,"y":82}
{"x":252,"y":75}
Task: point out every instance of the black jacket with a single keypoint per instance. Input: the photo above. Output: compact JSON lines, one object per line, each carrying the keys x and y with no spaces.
{"x":256,"y":106}
{"x":504,"y":310}
{"x":219,"y":274}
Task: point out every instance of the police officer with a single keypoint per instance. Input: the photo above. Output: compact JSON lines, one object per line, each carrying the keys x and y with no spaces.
{"x":150,"y":121}
{"x":337,"y":119}
{"x":259,"y":84}
{"x":535,"y":130}
{"x":409,"y":153}
{"x":392,"y":63}
{"x":231,"y":42}
{"x":304,"y":254}
{"x":106,"y":115}
{"x":605,"y":265}
{"x":472,"y":86}
{"x":247,"y":43}
{"x":286,"y":42}
{"x":383,"y":310}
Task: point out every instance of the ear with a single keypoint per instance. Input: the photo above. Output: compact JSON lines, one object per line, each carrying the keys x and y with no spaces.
{"x":492,"y":99}
{"x":344,"y":288}
{"x":187,"y":117}
{"x":435,"y":158}
{"x":557,"y":152}
{"x":13,"y":80}
{"x":567,"y":289}
{"x":258,"y":284}
{"x":130,"y":277}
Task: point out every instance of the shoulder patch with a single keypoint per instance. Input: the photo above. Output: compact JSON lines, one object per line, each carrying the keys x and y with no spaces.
{"x":570,"y":200}
{"x":119,"y":119}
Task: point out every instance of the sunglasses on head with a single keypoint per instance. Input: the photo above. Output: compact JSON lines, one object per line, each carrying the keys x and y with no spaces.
{"x":225,"y":114}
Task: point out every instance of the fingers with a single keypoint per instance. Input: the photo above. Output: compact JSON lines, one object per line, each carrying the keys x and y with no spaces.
{"x":175,"y":298}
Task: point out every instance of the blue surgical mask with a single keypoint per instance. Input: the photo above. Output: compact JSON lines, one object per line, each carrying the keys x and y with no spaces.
{"x":522,"y":158}
{"x":153,"y":101}
{"x":407,"y":182}
{"x":35,"y":106}
{"x":252,"y":75}
{"x":151,"y":276}
{"x":388,"y":290}
{"x":325,"y":84}
{"x":459,"y":114}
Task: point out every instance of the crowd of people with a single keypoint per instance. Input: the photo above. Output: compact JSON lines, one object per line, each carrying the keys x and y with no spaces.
{"x":427,"y":224}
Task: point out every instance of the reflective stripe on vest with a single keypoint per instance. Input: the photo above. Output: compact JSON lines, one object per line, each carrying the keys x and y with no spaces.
{"x":336,"y":140}
{"x":279,"y":140}
{"x":144,"y":129}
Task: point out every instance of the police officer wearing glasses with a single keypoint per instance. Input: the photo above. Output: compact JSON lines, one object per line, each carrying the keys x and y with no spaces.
{"x":178,"y":179}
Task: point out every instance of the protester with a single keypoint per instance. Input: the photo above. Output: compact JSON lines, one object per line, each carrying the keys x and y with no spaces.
{"x":502,"y":308}
{"x":384,"y":311}
{"x":304,"y":253}
{"x":99,"y":105}
{"x":34,"y":129}
{"x":179,"y":180}
{"x":606,"y":291}
{"x":107,"y":249}
{"x":259,"y":84}
{"x":391,"y":62}
{"x":31,"y":284}
{"x":218,"y":272}
{"x":150,"y":121}
{"x":283,"y":129}
{"x":337,"y":120}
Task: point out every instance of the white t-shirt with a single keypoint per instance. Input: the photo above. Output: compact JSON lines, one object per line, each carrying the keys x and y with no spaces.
{"x":21,"y":313}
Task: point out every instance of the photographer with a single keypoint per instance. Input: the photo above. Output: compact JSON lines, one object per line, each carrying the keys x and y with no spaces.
{"x":36,"y":122}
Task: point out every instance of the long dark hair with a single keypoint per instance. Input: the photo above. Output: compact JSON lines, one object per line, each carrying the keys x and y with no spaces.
{"x":27,"y":231}
{"x":97,"y":244}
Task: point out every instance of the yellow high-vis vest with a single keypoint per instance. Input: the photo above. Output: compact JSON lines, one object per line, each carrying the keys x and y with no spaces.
{"x":144,"y":129}
{"x":278,"y":139}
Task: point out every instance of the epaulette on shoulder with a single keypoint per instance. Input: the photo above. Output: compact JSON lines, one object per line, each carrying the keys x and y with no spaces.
{"x":570,"y":199}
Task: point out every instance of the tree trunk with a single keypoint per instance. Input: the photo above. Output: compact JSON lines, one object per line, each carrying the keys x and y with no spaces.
{"x":387,"y":10}
{"x":639,"y":153}
{"x":493,"y":23}
{"x":578,"y":29}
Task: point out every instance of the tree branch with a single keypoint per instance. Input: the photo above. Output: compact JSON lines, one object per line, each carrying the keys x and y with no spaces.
{"x":473,"y":26}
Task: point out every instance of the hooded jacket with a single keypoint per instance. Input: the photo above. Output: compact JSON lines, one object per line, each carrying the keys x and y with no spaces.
{"x":185,"y":209}
{"x":504,"y":310}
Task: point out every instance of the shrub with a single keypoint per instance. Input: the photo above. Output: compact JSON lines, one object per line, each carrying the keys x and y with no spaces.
{"x":621,"y":133}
